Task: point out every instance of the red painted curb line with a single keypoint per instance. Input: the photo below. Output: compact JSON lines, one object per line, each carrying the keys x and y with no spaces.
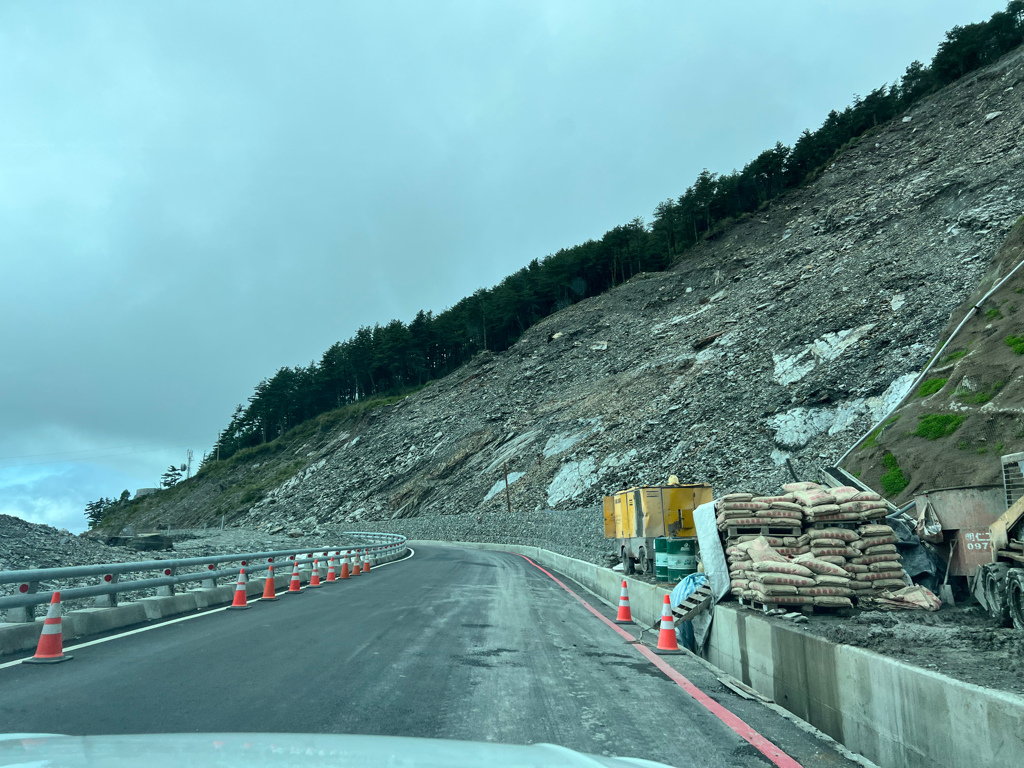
{"x":740,"y":728}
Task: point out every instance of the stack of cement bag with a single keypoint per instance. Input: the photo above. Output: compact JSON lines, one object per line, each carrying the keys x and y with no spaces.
{"x":761,"y":574}
{"x":836,"y":505}
{"x":746,"y":509}
{"x":876,"y":567}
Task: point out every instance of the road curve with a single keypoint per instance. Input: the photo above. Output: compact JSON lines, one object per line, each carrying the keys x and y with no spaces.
{"x":451,"y":643}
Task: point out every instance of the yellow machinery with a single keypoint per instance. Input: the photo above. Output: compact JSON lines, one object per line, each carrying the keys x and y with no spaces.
{"x":637,"y":516}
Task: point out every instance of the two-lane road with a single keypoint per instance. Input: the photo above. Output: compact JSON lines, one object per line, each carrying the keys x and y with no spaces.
{"x":451,"y":643}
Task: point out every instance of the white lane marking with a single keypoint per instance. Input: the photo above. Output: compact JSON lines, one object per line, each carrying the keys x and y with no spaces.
{"x":173,"y":621}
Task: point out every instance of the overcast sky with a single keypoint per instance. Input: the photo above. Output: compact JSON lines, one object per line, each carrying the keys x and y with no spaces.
{"x":193,"y":194}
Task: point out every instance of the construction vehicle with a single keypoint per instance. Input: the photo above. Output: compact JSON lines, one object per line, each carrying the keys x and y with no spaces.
{"x":637,"y":516}
{"x":999,"y":585}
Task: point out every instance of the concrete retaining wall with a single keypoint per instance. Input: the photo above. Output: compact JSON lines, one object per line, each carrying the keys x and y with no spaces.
{"x":895,"y":714}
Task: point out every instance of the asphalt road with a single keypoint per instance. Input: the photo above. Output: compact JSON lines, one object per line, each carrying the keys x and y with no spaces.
{"x":451,"y":643}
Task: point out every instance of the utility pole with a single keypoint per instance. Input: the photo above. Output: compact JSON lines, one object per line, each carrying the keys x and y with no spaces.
{"x":508,"y":496}
{"x":188,"y":472}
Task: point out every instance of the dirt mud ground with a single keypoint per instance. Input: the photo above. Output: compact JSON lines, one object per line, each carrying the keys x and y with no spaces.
{"x":961,"y":642}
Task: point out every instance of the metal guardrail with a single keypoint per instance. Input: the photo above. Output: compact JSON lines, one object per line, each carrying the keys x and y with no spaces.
{"x":20,"y":607}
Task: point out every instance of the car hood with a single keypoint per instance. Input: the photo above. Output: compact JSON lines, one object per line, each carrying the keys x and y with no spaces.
{"x":285,"y":750}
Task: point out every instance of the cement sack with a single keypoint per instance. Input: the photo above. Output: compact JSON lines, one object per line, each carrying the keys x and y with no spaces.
{"x":861,"y":506}
{"x":740,"y":584}
{"x":868,"y":531}
{"x":833,"y":533}
{"x":733,"y":505}
{"x":793,"y":551}
{"x":874,"y":514}
{"x":831,"y":581}
{"x":819,"y":543}
{"x":759,"y":551}
{"x":874,"y":541}
{"x":867,"y":496}
{"x":834,"y":559}
{"x":822,"y":567}
{"x":834,"y":551}
{"x":881,"y":549}
{"x":885,"y":567}
{"x":881,"y":575}
{"x":786,"y":497}
{"x":737,"y":497}
{"x":781,"y":514}
{"x":795,"y":569}
{"x":813,"y":498}
{"x":860,"y":586}
{"x":879,"y":558}
{"x":738,"y":522}
{"x":734,"y":551}
{"x":785,"y":578}
{"x":787,"y":505}
{"x":844,"y":493}
{"x":827,"y":601}
{"x":774,"y":541}
{"x":791,"y":487}
{"x":855,"y":568}
{"x":749,"y":594}
{"x":773,"y":589}
{"x":820,"y":590}
{"x":822,"y":508}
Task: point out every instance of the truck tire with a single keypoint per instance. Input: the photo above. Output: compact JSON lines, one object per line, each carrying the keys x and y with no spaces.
{"x":643,"y":564}
{"x":995,"y":592}
{"x":1015,"y":597}
{"x":627,"y":564}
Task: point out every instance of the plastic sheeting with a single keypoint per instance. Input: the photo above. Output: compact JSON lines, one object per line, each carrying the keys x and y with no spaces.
{"x":715,"y":567}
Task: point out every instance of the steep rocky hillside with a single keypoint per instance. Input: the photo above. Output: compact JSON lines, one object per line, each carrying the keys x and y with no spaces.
{"x":784,"y":337}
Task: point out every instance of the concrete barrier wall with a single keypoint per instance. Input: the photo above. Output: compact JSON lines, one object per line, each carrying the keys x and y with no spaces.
{"x":895,"y":714}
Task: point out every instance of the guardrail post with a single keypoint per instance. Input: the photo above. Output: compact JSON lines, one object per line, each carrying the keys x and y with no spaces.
{"x":209,"y":583}
{"x":26,"y":613}
{"x":106,"y":601}
{"x":167,"y":590}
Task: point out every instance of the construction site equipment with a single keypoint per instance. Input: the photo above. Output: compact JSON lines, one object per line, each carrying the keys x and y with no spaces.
{"x":999,"y":584}
{"x":638,"y":516}
{"x":239,"y":602}
{"x":682,"y":558}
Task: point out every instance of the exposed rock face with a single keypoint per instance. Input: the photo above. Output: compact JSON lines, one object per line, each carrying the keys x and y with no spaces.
{"x":825,"y":305}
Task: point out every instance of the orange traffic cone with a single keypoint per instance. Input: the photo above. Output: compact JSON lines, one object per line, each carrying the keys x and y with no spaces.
{"x":366,"y":565}
{"x":624,"y":616}
{"x":330,"y":571}
{"x":295,"y":585}
{"x":51,"y":642}
{"x":667,"y":644}
{"x":356,"y":565}
{"x":314,"y":577}
{"x":344,"y":568}
{"x":270,"y":589}
{"x":239,"y":601}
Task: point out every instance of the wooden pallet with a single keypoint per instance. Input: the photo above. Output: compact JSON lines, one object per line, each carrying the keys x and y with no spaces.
{"x":693,"y":604}
{"x":732,"y":531}
{"x":849,"y":525}
{"x":807,"y":608}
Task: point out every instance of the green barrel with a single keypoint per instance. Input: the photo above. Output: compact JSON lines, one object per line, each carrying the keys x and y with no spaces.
{"x":661,"y":559}
{"x":682,"y":558}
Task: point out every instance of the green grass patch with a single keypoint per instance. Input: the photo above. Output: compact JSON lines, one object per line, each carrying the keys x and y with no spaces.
{"x":1016,"y":343}
{"x":954,"y":356}
{"x":938,"y":425}
{"x":999,"y":448}
{"x":994,"y":314}
{"x":982,"y":451}
{"x":930,"y":387}
{"x":893,"y":481}
{"x":962,"y":445}
{"x":982,"y":395}
{"x":870,"y":442}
